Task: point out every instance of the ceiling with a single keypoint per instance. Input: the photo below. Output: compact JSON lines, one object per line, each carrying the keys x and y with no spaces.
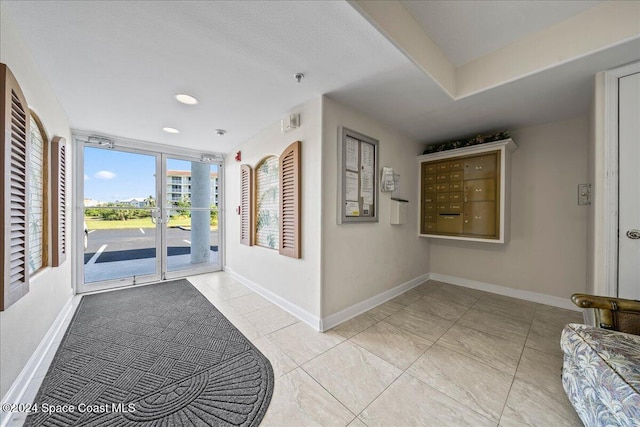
{"x":468,"y":29}
{"x":116,"y":66}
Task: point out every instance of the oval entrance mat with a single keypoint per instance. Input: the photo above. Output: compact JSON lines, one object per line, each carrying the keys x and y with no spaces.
{"x":158,"y":355}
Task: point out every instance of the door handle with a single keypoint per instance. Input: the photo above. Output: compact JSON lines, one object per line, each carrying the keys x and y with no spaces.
{"x":633,"y":234}
{"x":156,"y":217}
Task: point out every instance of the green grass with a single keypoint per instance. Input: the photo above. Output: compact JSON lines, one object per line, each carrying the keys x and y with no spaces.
{"x":99,"y":224}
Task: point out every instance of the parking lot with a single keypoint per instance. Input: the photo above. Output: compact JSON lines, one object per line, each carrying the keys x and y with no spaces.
{"x":120,"y":253}
{"x":126,"y":244}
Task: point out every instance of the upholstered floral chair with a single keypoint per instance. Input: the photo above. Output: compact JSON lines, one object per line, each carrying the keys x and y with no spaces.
{"x":601,"y":370}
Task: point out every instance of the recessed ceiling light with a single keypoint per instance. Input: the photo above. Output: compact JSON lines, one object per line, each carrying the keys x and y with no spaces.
{"x":186,"y":99}
{"x":171,"y":130}
{"x":220,"y":132}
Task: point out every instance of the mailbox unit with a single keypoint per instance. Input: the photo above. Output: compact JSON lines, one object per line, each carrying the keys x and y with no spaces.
{"x":464,"y":193}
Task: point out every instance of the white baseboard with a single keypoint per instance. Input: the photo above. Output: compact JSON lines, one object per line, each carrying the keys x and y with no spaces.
{"x":341,"y":316}
{"x":333,"y":320}
{"x":302,"y":314}
{"x":21,"y":383}
{"x":509,"y":292}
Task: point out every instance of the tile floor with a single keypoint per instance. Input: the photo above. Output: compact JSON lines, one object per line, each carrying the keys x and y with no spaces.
{"x":437,"y":355}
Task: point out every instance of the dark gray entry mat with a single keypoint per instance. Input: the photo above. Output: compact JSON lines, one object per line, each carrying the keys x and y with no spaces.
{"x":156,"y":355}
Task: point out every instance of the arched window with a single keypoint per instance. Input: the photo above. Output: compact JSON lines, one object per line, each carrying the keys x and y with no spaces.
{"x":267,"y":205}
{"x":270,"y":210}
{"x":37,"y":201}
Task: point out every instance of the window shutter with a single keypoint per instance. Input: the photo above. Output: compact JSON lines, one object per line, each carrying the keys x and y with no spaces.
{"x":290,"y":201}
{"x":14,"y":128}
{"x":246,"y":212}
{"x":59,"y":200}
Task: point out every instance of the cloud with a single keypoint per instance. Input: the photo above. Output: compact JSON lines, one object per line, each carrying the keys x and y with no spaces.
{"x":105,"y":175}
{"x":86,"y":177}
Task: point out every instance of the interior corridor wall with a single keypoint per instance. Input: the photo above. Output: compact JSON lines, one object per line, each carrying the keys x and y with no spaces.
{"x":24,"y":324}
{"x":362,"y":260}
{"x":295,"y":280}
{"x":547,"y":253}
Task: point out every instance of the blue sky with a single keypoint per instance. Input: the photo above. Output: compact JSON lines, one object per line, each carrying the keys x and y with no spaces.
{"x":111,"y":175}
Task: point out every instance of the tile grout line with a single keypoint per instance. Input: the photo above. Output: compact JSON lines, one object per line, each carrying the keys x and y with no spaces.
{"x":513,"y":380}
{"x":314,"y":357}
{"x":448,"y":349}
{"x":499,"y":315}
{"x":452,"y":398}
{"x":405,"y":371}
{"x":301,"y":367}
{"x":404,"y":329}
{"x":330,"y":394}
{"x":484,"y":332}
{"x":513,"y":375}
{"x":373,"y":354}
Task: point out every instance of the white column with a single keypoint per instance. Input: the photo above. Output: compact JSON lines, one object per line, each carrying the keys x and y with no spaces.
{"x":200,"y":220}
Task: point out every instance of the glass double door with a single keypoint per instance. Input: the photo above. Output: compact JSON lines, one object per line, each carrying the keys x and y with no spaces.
{"x":147,"y":217}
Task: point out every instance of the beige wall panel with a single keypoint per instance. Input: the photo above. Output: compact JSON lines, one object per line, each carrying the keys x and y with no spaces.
{"x":295,"y":280}
{"x":360,"y":261}
{"x":547,"y":252}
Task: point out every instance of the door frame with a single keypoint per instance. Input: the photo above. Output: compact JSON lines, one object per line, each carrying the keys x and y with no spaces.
{"x":80,"y":286}
{"x":79,"y":138}
{"x":611,"y":179}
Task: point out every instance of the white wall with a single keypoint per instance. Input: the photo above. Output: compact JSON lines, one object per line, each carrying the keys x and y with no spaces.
{"x":295,"y":280}
{"x":547,"y":253}
{"x":362,"y":260}
{"x":24,"y":324}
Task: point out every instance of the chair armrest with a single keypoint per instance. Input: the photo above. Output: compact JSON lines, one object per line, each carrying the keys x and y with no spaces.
{"x":608,"y":303}
{"x":618,"y":314}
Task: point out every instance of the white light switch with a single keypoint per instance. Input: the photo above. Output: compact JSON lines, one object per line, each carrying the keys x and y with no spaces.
{"x":584,"y":194}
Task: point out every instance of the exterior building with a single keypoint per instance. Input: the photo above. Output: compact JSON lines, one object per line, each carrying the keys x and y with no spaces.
{"x":135,"y":202}
{"x":179,"y":186}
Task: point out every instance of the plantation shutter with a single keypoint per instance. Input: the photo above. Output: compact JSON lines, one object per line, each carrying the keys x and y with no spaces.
{"x":14,"y":128}
{"x":246,"y":220}
{"x":290,"y":201}
{"x":59,"y":200}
